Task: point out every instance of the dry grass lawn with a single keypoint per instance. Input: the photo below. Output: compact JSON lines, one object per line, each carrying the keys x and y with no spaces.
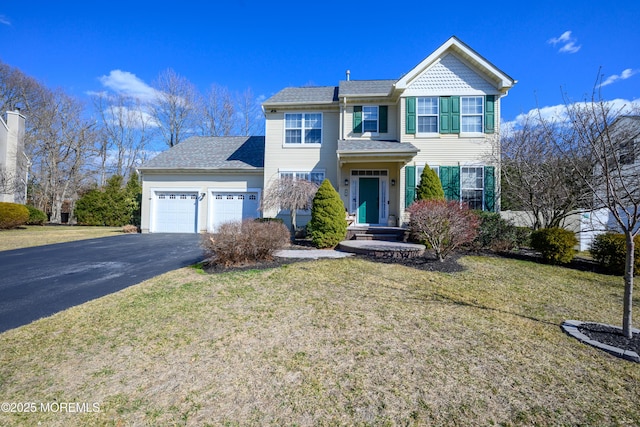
{"x":331,"y":342}
{"x":37,"y":235}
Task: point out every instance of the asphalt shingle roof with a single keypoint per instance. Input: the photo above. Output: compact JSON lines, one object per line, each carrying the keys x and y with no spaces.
{"x":225,"y":152}
{"x":366,"y":87}
{"x":363,"y":145}
{"x":296,"y":95}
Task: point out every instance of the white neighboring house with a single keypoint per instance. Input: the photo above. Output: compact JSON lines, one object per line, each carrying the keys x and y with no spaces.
{"x":625,"y":134}
{"x":13,"y":161}
{"x":370,"y":138}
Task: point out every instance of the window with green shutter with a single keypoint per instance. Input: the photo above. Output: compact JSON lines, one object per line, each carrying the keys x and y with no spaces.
{"x":489,"y":114}
{"x":449,"y":114}
{"x":370,"y":119}
{"x":489,"y":189}
{"x":450,"y":178}
{"x":383,"y":117}
{"x":357,"y":119}
{"x":410,"y":185}
{"x":410,"y":115}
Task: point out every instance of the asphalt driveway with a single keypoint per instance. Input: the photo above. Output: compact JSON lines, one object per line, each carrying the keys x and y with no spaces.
{"x":40,"y":281}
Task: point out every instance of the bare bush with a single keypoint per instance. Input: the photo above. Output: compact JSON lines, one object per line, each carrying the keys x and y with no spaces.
{"x":130,"y":229}
{"x":443,"y":226}
{"x":245,"y":241}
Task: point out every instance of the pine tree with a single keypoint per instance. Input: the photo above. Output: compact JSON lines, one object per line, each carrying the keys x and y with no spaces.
{"x":430,"y":187}
{"x":328,"y":224}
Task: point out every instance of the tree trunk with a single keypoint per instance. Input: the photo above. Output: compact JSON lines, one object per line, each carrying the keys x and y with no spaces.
{"x":628,"y":286}
{"x":293,"y":225}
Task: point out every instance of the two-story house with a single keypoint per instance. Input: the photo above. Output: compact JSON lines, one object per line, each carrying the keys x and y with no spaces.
{"x":370,"y":138}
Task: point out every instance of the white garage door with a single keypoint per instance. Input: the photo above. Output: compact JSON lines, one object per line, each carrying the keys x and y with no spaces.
{"x":232,"y":206}
{"x":176,"y":212}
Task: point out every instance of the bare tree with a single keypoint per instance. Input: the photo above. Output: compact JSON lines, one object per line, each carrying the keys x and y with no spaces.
{"x":537,"y":178}
{"x":249,"y":112}
{"x":289,"y":194}
{"x":598,"y":132}
{"x":124,"y":133}
{"x":218,"y":112}
{"x":175,"y":108}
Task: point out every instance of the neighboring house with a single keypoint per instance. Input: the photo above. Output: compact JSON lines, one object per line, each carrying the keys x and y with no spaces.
{"x":13,"y":161}
{"x":370,"y":138}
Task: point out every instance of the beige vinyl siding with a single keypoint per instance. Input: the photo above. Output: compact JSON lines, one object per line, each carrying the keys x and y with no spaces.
{"x":392,"y":122}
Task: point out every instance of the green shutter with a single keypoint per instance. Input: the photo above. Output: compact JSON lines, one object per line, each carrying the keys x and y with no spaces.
{"x":357,"y":119}
{"x":489,"y":189}
{"x":445,"y":114}
{"x":489,"y":114}
{"x":410,"y":185}
{"x":455,"y":114}
{"x":450,"y":178}
{"x":410,"y":106}
{"x":383,"y":112}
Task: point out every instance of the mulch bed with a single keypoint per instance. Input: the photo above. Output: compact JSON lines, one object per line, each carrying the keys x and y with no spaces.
{"x":611,"y":336}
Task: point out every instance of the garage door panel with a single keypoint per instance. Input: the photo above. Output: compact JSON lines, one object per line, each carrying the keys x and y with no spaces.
{"x":176,"y":212}
{"x":233,"y":206}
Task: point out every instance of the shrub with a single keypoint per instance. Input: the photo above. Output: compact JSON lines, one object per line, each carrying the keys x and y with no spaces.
{"x":36,"y":216}
{"x":239,"y":242}
{"x":497,"y":234}
{"x":555,"y":244}
{"x":129,"y":229}
{"x":443,"y":226}
{"x":268,"y":219}
{"x":328,"y":223}
{"x":610,"y":251}
{"x":113,"y":206}
{"x":430,"y":187}
{"x":13,"y":215}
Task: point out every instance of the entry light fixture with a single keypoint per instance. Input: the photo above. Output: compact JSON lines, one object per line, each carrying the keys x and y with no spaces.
{"x":393,"y":182}
{"x":346,"y":182}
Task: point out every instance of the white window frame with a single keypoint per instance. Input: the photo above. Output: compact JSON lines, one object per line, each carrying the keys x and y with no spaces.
{"x":469,"y":114}
{"x":303,"y":130}
{"x":377,"y":119}
{"x":420,"y":168}
{"x":475,"y":188}
{"x":296,"y":175}
{"x":436,"y":115}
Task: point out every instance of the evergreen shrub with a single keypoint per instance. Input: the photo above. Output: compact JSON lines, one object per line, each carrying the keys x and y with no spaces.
{"x":36,"y":216}
{"x":430,"y":187}
{"x":328,"y":222}
{"x":13,"y":215}
{"x":555,"y":244}
{"x":610,"y":251}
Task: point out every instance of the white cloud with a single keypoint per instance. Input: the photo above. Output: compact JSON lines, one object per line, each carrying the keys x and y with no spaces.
{"x":4,"y":20}
{"x":558,"y":113}
{"x":623,"y":76}
{"x":568,"y":43}
{"x":126,"y":83}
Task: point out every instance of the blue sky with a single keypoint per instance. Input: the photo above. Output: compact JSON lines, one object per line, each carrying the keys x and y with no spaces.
{"x":550,"y":47}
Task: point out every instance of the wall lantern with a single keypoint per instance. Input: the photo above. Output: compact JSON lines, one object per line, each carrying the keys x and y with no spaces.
{"x":393,"y":182}
{"x":346,"y":182}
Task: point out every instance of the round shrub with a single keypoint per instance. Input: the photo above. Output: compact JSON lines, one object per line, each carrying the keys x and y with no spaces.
{"x":328,"y":223}
{"x":555,"y":244}
{"x":498,"y":234}
{"x":610,"y":251}
{"x":36,"y":216}
{"x":13,"y":215}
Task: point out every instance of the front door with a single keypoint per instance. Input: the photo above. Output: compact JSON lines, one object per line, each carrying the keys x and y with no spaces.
{"x":369,"y":209}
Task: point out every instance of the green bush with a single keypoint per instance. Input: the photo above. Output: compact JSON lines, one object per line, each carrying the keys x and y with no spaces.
{"x":610,"y":251}
{"x":430,"y":187}
{"x":113,"y":206}
{"x":36,"y":216}
{"x":239,"y":242}
{"x":13,"y":215}
{"x":498,"y":234}
{"x":328,"y":222}
{"x":555,"y":244}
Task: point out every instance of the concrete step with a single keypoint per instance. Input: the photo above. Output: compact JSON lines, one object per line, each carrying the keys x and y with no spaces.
{"x":377,"y":236}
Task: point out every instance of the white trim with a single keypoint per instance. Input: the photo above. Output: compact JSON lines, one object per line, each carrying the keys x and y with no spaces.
{"x":383,"y":195}
{"x":302,"y":144}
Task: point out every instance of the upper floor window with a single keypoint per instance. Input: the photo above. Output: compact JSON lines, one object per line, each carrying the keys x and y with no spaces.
{"x":303,"y":128}
{"x":427,"y":115}
{"x":471,"y":113}
{"x":370,"y":118}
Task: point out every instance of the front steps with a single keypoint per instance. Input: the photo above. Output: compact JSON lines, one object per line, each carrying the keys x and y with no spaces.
{"x":380,"y":242}
{"x":387,"y":234}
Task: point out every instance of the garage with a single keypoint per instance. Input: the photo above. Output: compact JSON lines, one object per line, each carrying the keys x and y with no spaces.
{"x":176,"y":212}
{"x":234,"y":206}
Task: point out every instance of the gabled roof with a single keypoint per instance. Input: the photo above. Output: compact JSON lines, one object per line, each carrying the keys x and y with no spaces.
{"x":220,"y":153}
{"x":365,"y":87}
{"x":502,"y":81}
{"x":306,"y":95}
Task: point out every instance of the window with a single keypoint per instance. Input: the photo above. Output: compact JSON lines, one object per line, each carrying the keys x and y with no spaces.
{"x":627,"y":152}
{"x":420,"y":169}
{"x":303,"y":128}
{"x":314,"y":176}
{"x":472,"y":186}
{"x":370,"y":119}
{"x":427,"y":115}
{"x":471,"y":113}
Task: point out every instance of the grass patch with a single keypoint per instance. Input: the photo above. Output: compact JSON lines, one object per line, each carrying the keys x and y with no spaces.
{"x":331,"y":342}
{"x":37,"y":235}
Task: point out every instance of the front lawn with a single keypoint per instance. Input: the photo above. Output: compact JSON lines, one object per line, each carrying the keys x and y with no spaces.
{"x":37,"y":235}
{"x":330,"y":342}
